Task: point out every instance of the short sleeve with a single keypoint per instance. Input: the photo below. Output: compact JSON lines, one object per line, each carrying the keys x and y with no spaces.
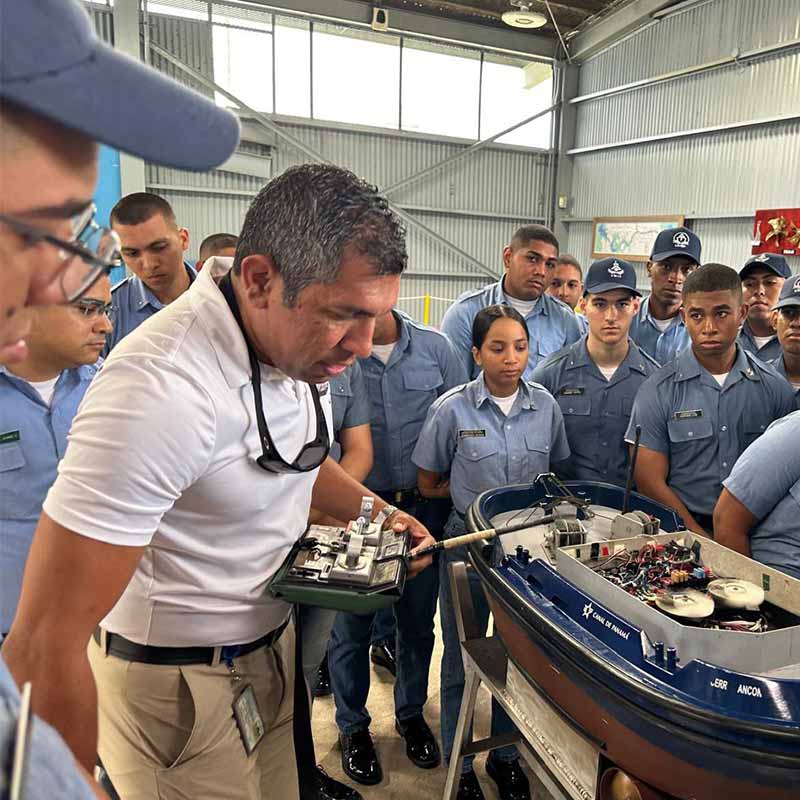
{"x":435,"y":446}
{"x":357,"y":411}
{"x":768,"y":469}
{"x":559,"y":447}
{"x":453,"y":368}
{"x":457,"y":326}
{"x":649,"y":413}
{"x":144,"y":433}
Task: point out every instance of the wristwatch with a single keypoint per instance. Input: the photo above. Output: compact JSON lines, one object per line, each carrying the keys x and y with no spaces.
{"x":384,"y":514}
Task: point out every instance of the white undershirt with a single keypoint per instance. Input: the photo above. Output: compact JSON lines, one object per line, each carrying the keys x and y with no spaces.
{"x":608,"y":372}
{"x":523,"y":306}
{"x":505,"y":403}
{"x":720,"y":379}
{"x":46,"y":388}
{"x":383,"y":351}
{"x":796,"y":385}
{"x":662,"y":324}
{"x":761,"y":341}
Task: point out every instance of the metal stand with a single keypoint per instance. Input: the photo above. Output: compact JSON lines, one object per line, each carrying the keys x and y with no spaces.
{"x":486,"y":662}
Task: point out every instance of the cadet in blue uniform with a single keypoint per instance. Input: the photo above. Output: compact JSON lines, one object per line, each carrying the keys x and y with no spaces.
{"x":38,"y":399}
{"x":566,"y":285}
{"x":658,"y":327}
{"x":758,"y":512}
{"x":596,"y":379}
{"x":762,"y":277}
{"x":529,"y":261}
{"x":152,"y":248}
{"x":786,"y":321}
{"x":410,"y":366}
{"x":702,"y":410}
{"x":496,"y":430}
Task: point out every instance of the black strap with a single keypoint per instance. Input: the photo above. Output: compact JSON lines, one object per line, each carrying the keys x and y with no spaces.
{"x":301,"y":723}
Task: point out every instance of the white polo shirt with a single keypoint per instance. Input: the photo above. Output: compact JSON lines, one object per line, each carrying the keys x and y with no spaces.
{"x":161,"y":455}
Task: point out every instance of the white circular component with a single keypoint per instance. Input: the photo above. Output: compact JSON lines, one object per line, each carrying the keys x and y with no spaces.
{"x":735,"y":593}
{"x":524,"y":19}
{"x":686,"y":603}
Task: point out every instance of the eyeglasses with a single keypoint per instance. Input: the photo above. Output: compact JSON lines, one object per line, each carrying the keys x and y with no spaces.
{"x":84,"y":259}
{"x":313,"y":453}
{"x":94,"y":308}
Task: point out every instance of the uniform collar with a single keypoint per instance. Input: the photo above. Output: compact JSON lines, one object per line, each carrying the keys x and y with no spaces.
{"x":499,"y":295}
{"x":645,"y":315}
{"x":687,"y":367}
{"x":401,"y":345}
{"x":73,"y":376}
{"x":480,"y":394}
{"x":144,"y":297}
{"x":579,"y":357}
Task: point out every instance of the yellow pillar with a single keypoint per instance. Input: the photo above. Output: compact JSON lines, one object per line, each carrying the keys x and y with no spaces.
{"x":426,"y":310}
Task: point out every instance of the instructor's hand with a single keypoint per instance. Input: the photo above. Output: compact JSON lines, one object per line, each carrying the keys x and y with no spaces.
{"x":400,"y":521}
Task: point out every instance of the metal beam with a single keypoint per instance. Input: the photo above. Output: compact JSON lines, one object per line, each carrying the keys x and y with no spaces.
{"x":566,"y":140}
{"x":312,"y":154}
{"x":611,"y":27}
{"x":430,"y":26}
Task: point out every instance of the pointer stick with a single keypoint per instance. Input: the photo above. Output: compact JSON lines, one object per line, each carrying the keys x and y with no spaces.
{"x":631,"y":467}
{"x":489,"y":533}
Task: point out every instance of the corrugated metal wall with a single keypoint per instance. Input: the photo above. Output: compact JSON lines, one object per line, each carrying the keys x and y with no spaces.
{"x":718,"y":180}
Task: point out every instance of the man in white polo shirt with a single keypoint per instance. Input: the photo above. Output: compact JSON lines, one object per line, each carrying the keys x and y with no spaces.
{"x":190,"y":471}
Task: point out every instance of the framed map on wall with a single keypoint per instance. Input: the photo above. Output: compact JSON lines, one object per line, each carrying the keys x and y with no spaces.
{"x":630,"y":238}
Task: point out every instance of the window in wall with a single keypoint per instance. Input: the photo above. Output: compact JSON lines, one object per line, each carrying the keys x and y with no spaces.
{"x":292,"y":42}
{"x":440,"y":89}
{"x":243,"y":66}
{"x":513,"y":89}
{"x":188,"y":9}
{"x":356,"y":76}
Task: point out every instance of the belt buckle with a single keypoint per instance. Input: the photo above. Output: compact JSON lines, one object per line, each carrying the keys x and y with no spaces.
{"x":398,"y":497}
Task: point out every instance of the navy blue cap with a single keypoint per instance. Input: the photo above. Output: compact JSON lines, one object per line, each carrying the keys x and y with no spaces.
{"x":676,"y":242}
{"x":52,"y":63}
{"x":608,"y":274}
{"x":790,"y":294}
{"x":772,"y":261}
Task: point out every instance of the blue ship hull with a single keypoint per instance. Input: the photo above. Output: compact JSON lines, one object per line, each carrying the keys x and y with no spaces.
{"x":699,"y":731}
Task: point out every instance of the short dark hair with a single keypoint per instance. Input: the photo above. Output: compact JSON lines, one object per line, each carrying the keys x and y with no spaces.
{"x":136,"y":208}
{"x":486,"y":317}
{"x":712,"y":277}
{"x":309,"y":215}
{"x":527,"y":233}
{"x":567,"y":260}
{"x":215,"y":244}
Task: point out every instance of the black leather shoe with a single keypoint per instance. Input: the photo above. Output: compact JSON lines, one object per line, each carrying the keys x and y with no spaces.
{"x":512,"y":782}
{"x":469,"y":788}
{"x":331,"y":789}
{"x":383,"y":655}
{"x":421,"y":747}
{"x":322,"y":688}
{"x":359,"y":759}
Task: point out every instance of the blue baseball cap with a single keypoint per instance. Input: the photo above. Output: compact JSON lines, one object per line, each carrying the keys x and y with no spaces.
{"x":610,"y":273}
{"x":52,"y":63}
{"x":790,"y":293}
{"x":771,"y":261}
{"x":676,"y":242}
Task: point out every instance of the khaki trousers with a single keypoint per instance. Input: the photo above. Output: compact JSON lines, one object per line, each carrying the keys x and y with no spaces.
{"x":168,"y":733}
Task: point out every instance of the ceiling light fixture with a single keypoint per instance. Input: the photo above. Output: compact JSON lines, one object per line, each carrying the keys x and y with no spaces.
{"x":524,"y":17}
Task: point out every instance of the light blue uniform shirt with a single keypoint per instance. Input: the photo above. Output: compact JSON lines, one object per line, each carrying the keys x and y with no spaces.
{"x":596,"y":411}
{"x":551,"y":324}
{"x":133,"y":303}
{"x":467,"y":435}
{"x":350,"y":404}
{"x":33,"y":439}
{"x":769,"y":352}
{"x":780,"y":368}
{"x":704,"y":428}
{"x":663,"y":347}
{"x":51,"y":773}
{"x":766,"y":481}
{"x":422,"y":367}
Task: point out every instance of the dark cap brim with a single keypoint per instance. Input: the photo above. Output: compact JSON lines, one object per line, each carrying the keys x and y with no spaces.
{"x":610,"y":287}
{"x":121,"y":102}
{"x":665,"y":254}
{"x":787,"y":301}
{"x":760,"y":265}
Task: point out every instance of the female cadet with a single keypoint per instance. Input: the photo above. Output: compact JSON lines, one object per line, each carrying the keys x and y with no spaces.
{"x":493,"y":431}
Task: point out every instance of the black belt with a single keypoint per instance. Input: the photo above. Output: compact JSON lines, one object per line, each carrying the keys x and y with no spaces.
{"x":127,"y":650}
{"x":402,"y":498}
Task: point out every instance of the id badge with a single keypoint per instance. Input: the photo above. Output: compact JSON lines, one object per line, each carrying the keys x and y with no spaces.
{"x":248,"y":719}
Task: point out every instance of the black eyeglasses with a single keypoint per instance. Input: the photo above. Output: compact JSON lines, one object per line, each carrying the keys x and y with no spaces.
{"x":84,"y":259}
{"x":312,"y":453}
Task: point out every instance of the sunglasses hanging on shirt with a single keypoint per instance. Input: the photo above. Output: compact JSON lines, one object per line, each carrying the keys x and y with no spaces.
{"x":312,"y":453}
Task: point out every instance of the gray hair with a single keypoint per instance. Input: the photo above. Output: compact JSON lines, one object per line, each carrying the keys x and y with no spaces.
{"x":309,"y":215}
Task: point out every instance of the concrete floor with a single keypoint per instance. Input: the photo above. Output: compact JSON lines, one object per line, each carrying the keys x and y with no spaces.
{"x":401,"y":778}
